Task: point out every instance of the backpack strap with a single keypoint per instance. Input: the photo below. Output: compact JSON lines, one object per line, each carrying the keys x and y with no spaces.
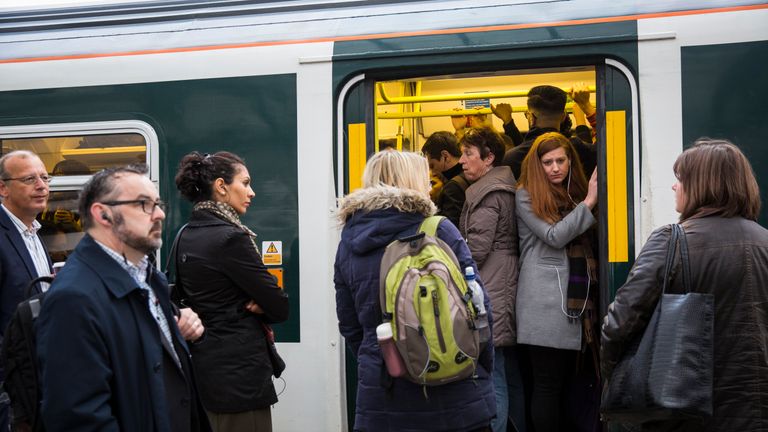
{"x":429,"y":226}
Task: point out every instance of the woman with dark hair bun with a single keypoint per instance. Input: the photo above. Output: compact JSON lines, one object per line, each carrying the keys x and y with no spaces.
{"x":224,"y":280}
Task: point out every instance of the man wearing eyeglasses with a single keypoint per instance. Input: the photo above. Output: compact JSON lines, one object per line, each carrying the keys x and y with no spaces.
{"x":23,"y":257}
{"x":111,"y":354}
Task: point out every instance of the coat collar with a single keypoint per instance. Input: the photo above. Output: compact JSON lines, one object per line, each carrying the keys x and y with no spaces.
{"x":384,"y":197}
{"x":116,"y":279}
{"x":498,"y":178}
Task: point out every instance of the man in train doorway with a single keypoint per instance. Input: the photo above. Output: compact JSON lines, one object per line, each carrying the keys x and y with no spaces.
{"x":442,"y":152}
{"x":23,"y":257}
{"x":546,"y":111}
{"x":110,"y":352}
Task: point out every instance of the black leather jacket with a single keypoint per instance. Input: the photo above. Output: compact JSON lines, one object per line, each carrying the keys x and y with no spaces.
{"x":728,"y":258}
{"x":221,"y":271}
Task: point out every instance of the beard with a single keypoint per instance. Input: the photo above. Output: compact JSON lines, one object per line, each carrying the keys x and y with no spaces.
{"x":146,"y":244}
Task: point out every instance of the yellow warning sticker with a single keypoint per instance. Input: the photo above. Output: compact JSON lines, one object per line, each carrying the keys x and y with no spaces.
{"x":272,"y":252}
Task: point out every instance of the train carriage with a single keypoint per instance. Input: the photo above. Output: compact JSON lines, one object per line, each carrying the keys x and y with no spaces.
{"x":305,"y":91}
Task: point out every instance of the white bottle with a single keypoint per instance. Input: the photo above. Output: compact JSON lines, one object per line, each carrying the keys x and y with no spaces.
{"x":478,"y":300}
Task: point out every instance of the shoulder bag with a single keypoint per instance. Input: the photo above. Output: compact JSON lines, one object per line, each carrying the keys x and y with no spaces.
{"x":666,"y":372}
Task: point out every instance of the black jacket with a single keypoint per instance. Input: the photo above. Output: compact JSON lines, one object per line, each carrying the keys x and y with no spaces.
{"x":728,"y":258}
{"x":450,"y":201}
{"x":220,"y":271}
{"x":514,"y":157}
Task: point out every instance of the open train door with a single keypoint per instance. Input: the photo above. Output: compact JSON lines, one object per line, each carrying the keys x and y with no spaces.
{"x":619,"y":171}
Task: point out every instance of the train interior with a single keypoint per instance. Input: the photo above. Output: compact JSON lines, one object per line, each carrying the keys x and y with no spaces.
{"x":409,"y":110}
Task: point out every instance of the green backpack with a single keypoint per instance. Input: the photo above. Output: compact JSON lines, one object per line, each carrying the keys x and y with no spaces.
{"x":425,"y":298}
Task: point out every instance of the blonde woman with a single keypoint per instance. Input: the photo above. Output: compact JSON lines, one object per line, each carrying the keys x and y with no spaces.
{"x":392,"y":204}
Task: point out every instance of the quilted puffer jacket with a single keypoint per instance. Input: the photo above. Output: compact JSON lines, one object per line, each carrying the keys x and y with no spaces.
{"x":372,"y":218}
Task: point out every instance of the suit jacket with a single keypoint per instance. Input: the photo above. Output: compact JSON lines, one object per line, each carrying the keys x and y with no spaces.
{"x":102,"y":359}
{"x":16,"y":269}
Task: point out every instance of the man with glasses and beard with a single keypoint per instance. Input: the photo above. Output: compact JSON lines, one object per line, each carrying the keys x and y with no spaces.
{"x":111,"y":353}
{"x":23,"y":257}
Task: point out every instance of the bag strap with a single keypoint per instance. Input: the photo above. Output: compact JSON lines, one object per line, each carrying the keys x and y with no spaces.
{"x":429,"y":226}
{"x":34,"y":288}
{"x":671,"y":246}
{"x":173,"y":258}
{"x":684,"y":257}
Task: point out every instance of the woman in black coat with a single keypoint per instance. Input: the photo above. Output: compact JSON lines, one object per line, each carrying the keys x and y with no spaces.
{"x":224,"y":280}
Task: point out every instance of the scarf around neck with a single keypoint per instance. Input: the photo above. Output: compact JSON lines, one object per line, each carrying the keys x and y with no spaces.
{"x":225,"y":212}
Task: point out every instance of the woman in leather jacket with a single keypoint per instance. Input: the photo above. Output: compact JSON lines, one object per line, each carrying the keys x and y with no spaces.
{"x":223,"y":279}
{"x":718,"y":200}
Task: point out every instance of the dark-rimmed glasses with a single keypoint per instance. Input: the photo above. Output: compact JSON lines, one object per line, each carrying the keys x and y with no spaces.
{"x":30,"y":180}
{"x":147,"y":206}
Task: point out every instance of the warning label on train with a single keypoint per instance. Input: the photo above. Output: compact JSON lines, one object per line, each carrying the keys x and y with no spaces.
{"x":272,"y":252}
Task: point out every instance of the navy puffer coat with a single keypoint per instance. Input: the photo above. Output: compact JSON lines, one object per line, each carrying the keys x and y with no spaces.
{"x":373,"y":217}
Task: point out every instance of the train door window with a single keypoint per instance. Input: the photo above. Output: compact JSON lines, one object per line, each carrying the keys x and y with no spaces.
{"x":408,"y":111}
{"x":71,"y":153}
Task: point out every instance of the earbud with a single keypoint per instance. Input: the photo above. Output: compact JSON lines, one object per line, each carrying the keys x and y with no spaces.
{"x":106,"y":217}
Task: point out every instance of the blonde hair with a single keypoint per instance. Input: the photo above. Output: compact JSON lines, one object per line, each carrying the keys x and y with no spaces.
{"x":403,"y":170}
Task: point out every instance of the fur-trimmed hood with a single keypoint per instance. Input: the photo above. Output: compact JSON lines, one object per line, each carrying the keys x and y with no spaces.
{"x":374,"y":217}
{"x":384,"y":197}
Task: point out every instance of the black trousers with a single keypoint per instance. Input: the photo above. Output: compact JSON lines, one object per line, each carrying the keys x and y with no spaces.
{"x":550,"y":367}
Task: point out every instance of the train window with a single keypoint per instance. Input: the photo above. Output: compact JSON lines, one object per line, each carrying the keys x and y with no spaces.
{"x":72,"y":152}
{"x":82,"y":154}
{"x":61,"y":229}
{"x":410,"y":110}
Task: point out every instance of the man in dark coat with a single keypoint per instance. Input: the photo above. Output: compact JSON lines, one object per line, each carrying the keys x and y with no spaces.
{"x":23,"y":257}
{"x":111,"y":354}
{"x":546,"y":110}
{"x":442,"y":152}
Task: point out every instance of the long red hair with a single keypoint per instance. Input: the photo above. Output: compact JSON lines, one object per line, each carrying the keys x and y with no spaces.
{"x":548,"y":200}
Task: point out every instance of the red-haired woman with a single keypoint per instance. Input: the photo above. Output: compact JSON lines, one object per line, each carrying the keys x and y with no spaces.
{"x":554,"y":209}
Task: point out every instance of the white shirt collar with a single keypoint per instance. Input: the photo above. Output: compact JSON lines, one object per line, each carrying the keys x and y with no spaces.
{"x":21,"y":226}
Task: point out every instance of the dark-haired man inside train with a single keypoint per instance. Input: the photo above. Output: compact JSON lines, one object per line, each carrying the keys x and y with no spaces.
{"x":442,"y":152}
{"x":546,"y":111}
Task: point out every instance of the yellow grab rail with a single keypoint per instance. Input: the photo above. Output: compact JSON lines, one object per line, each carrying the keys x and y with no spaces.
{"x":386,"y":100}
{"x":448,"y":113}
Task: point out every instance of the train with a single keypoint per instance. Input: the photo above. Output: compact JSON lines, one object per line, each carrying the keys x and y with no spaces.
{"x":305,"y":91}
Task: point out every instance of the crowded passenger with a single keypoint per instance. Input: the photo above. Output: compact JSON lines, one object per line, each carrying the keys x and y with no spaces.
{"x":23,"y":256}
{"x":442,"y":152}
{"x":489,"y":227}
{"x":718,"y":199}
{"x":554,"y":206}
{"x":392,"y":204}
{"x":111,"y":354}
{"x":546,"y":113}
{"x":222,"y":277}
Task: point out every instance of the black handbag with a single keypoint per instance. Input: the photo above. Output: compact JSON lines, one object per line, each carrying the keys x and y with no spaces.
{"x":667,"y":371}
